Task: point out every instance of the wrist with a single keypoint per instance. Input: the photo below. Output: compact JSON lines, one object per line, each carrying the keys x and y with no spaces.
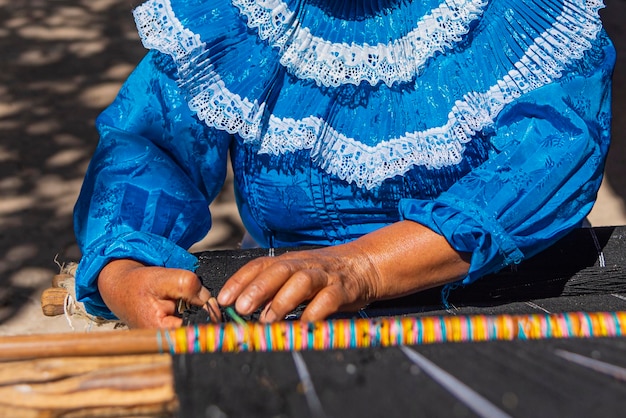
{"x":111,"y":282}
{"x":409,"y":257}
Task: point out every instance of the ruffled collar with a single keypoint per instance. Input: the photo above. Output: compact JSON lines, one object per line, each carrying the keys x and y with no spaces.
{"x":310,"y":47}
{"x":333,"y":63}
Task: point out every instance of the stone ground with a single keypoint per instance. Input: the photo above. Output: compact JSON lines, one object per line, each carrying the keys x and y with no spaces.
{"x":62,"y":62}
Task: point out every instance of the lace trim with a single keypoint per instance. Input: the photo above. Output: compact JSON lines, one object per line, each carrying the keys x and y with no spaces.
{"x":347,"y":158}
{"x":214,"y":104}
{"x":332,"y":64}
{"x":160,"y":29}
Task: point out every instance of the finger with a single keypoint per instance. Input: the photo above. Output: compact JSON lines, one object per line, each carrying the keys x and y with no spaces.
{"x":150,"y":312}
{"x":201,"y":297}
{"x":175,"y":284}
{"x":303,"y":285}
{"x":170,"y":322}
{"x":263,"y":316}
{"x":265,"y":285}
{"x":240,"y":280}
{"x":167,"y":317}
{"x":328,"y":301}
{"x":213,"y":309}
{"x":191,"y":290}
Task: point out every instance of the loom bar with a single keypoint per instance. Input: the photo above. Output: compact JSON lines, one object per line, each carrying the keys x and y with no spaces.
{"x":323,"y":335}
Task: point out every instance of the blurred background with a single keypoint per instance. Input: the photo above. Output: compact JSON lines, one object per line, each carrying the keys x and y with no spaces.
{"x":61,"y":63}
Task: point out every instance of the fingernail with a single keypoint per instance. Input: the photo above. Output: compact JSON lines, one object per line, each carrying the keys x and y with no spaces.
{"x":244,"y":304}
{"x":224,"y":297}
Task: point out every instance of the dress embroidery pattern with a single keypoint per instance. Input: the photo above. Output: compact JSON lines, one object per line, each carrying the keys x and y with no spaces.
{"x":563,"y":41}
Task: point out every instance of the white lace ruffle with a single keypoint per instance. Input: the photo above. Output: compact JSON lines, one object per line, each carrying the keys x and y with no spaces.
{"x":333,"y":64}
{"x":160,"y":29}
{"x":214,"y":103}
{"x":368,"y":166}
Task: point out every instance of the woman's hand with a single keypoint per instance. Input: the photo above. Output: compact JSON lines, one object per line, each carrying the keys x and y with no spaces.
{"x":397,"y":260}
{"x":333,"y":278}
{"x":148,"y":297}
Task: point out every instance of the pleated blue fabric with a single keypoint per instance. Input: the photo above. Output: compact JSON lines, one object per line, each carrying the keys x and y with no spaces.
{"x":487,"y":121}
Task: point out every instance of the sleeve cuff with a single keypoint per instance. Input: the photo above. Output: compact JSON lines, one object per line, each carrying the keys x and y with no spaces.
{"x":143,"y":247}
{"x":467,"y":230}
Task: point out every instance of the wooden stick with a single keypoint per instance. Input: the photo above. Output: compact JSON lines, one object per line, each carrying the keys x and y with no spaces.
{"x":53,"y":301}
{"x":105,"y":343}
{"x":54,"y":369}
{"x":137,"y":385}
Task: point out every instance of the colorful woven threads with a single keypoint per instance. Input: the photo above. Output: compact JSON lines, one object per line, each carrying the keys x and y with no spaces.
{"x":388,"y":331}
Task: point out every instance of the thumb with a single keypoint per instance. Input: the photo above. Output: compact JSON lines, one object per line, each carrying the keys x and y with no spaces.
{"x":175,"y":284}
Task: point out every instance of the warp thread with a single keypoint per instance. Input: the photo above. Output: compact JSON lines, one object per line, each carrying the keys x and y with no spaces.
{"x":388,"y":331}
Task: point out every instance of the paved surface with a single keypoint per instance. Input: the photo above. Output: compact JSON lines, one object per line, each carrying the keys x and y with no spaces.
{"x":62,"y":63}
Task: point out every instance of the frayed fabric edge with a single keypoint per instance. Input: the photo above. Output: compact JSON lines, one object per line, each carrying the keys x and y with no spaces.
{"x":72,"y":308}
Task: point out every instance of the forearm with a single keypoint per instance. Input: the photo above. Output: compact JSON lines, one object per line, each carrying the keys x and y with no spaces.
{"x":408,"y":257}
{"x":149,"y":184}
{"x":540,"y":181}
{"x":112,"y":291}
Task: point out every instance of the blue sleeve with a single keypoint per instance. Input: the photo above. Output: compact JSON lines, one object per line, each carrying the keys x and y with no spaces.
{"x":540,"y":181}
{"x":147,"y":190}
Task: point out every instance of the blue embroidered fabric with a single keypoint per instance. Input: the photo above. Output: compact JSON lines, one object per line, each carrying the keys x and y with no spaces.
{"x":487,"y":121}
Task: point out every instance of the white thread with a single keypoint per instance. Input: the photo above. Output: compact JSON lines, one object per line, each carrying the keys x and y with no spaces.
{"x":68,"y":310}
{"x":596,"y":242}
{"x":612,"y":370}
{"x":535,"y":306}
{"x":473,"y":400}
{"x":618,"y":296}
{"x":453,"y":310}
{"x":315,"y":405}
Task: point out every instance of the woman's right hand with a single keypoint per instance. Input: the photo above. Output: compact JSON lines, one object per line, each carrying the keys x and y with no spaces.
{"x":148,"y":297}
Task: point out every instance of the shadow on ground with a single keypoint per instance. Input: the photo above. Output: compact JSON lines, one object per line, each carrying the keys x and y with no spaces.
{"x":62,"y":63}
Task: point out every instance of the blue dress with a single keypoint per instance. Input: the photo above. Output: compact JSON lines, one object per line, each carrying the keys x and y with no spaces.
{"x":486,"y":121}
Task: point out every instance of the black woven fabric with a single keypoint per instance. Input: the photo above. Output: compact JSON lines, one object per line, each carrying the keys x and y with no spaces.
{"x":583,"y":272}
{"x":521,"y":379}
{"x":589,"y":261}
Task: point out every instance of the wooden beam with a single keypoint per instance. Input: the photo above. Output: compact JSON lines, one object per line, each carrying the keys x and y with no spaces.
{"x":111,"y":343}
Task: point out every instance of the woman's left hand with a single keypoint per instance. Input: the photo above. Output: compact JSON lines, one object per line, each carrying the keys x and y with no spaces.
{"x":396,"y":260}
{"x":332,"y":279}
